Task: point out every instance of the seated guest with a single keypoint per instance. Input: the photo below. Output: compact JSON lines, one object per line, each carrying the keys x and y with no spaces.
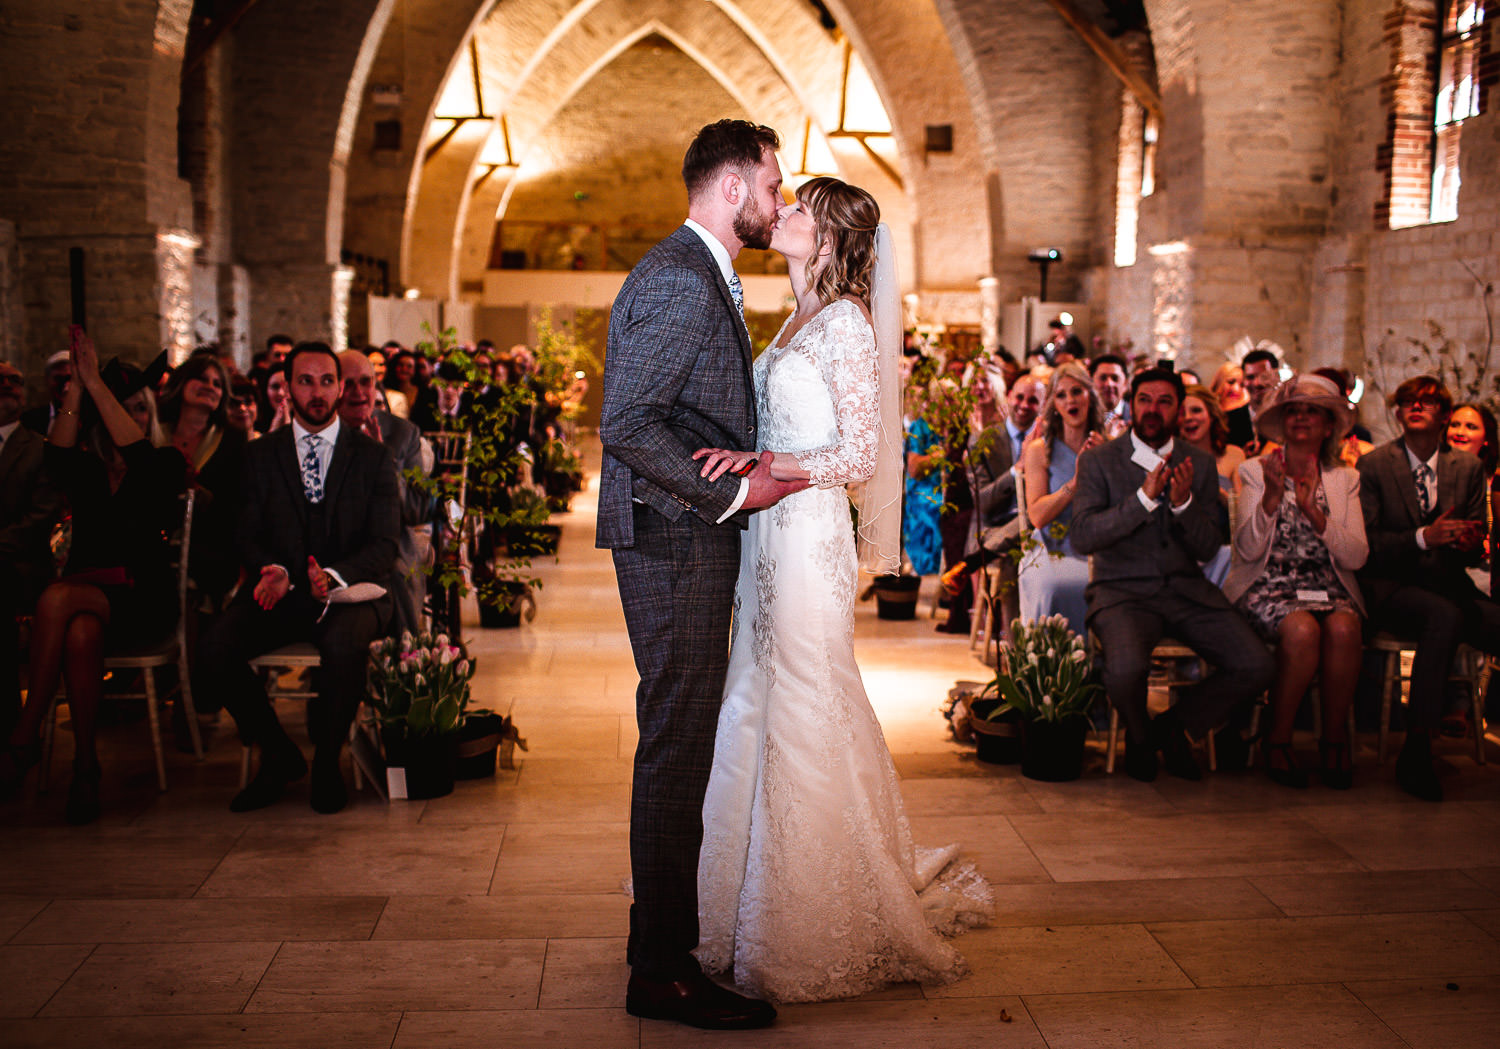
{"x":1146,"y":510}
{"x":1109,"y":376}
{"x":1203,"y":425}
{"x":239,"y":407}
{"x":322,"y":513}
{"x":1229,"y":390}
{"x":1298,"y":541}
{"x":1425,"y":520}
{"x":1357,"y":441}
{"x":401,"y":439}
{"x":920,"y":538}
{"x":1052,"y":576}
{"x":1262,"y":374}
{"x":1471,"y":428}
{"x":117,"y":588}
{"x":58,"y":372}
{"x":195,"y":421}
{"x":277,"y":408}
{"x":28,"y":505}
{"x":400,"y":387}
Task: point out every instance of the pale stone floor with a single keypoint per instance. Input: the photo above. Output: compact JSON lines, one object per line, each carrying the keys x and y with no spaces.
{"x":1222,"y":914}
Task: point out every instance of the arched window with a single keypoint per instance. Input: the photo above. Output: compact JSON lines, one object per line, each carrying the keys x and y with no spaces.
{"x":1457,"y":100}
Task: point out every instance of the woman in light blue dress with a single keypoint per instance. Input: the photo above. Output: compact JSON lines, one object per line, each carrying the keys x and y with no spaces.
{"x":924,"y":499}
{"x":1052,"y":576}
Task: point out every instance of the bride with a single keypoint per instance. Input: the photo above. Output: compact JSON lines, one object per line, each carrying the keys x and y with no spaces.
{"x":809,"y":886}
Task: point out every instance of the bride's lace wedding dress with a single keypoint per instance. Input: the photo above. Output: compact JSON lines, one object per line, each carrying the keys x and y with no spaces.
{"x":809,"y":886}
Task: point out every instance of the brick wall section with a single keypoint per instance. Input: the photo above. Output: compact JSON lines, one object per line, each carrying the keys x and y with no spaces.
{"x":1406,"y":94}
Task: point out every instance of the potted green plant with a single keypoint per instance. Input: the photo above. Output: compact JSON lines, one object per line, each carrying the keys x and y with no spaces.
{"x":419,"y":689}
{"x":560,"y":472}
{"x":1047,"y":679}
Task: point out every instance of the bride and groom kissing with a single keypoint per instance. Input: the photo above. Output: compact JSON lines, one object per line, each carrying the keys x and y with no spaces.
{"x":768,"y":841}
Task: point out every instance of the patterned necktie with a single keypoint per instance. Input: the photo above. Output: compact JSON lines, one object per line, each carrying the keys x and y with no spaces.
{"x":737,"y":293}
{"x":312,"y":481}
{"x":1423,"y":475}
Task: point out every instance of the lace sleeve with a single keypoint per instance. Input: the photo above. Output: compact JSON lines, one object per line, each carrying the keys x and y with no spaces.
{"x":844,"y":352}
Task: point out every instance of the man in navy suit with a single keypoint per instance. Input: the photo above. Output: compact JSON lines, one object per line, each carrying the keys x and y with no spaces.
{"x":676,"y":379}
{"x":321,"y":513}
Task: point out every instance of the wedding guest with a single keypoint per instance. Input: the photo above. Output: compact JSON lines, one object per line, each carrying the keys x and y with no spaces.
{"x":1471,"y":428}
{"x":400,"y":386}
{"x":1357,"y":441}
{"x":1146,"y":510}
{"x":1299,"y":539}
{"x":1424,"y":509}
{"x":117,"y":588}
{"x":276,"y":400}
{"x":1202,"y":424}
{"x":195,"y":420}
{"x":1110,"y":378}
{"x":58,"y":373}
{"x":240,"y":407}
{"x":305,"y":536}
{"x":1262,"y":374}
{"x":29,"y":503}
{"x":1229,"y":389}
{"x":1052,"y":576}
{"x":921,"y":540}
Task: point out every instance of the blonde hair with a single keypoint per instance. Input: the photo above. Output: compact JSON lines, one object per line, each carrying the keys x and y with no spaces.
{"x":1052,"y":418}
{"x":844,"y":218}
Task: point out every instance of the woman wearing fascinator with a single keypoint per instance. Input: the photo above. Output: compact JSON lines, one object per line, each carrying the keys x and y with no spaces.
{"x":809,"y":885}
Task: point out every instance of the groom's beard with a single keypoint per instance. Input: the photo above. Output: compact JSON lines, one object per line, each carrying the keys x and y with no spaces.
{"x":753,"y":228}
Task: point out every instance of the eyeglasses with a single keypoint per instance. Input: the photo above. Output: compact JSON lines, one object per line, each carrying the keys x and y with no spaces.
{"x":1423,"y":400}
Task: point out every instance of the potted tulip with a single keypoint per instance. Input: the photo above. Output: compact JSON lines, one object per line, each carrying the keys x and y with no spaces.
{"x":1047,"y":680}
{"x":419,"y":690}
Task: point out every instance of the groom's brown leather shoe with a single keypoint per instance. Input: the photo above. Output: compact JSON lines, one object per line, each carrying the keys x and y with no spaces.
{"x":696,"y":1001}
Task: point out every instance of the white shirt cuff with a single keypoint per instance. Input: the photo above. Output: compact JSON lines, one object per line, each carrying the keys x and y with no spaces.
{"x":1421,"y":539}
{"x":1149,"y":503}
{"x":1183,"y":508}
{"x":336,"y":578}
{"x":739,"y":501}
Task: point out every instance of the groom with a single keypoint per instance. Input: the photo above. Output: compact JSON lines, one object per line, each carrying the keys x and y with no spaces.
{"x":676,"y":379}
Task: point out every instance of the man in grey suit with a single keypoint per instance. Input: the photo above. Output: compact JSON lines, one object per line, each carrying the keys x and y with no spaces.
{"x":676,"y":379}
{"x":1424,"y":517}
{"x":1147,"y":512}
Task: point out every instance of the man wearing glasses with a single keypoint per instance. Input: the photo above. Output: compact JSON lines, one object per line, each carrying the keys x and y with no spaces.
{"x":1424,"y":517}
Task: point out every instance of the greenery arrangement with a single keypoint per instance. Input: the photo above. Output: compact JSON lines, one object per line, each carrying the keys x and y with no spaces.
{"x":420,"y":684}
{"x":1045,"y":673}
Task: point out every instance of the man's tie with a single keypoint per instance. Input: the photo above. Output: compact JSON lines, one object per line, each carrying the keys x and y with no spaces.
{"x":1423,"y":475}
{"x":312,"y":482}
{"x":737,"y":293}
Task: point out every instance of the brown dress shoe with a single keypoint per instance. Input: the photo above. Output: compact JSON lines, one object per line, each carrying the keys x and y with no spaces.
{"x":696,"y":1001}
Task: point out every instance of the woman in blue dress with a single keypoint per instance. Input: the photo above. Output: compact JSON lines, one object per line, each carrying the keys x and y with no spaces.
{"x":1052,"y":576}
{"x":924,"y":498}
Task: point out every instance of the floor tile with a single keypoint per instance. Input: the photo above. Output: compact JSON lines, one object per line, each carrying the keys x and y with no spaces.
{"x":1370,"y":892}
{"x":989,"y":840}
{"x":946,"y":796}
{"x":1328,"y":949}
{"x":1063,"y":958}
{"x":16,"y":912}
{"x":1436,"y":1013}
{"x":361,"y":861}
{"x":554,"y":771}
{"x":1489,"y":877}
{"x":515,"y":916}
{"x":140,"y":979}
{"x":30,"y":976}
{"x":955,"y":1023}
{"x":585,"y":973}
{"x":119,"y":862}
{"x":1415,"y":837}
{"x":1313,"y":1017}
{"x":1116,"y":902}
{"x":581,"y":734}
{"x":550,"y":1028}
{"x":487,"y":802}
{"x":401,"y":974}
{"x":237,"y":1031}
{"x":1098,"y":847}
{"x":186,"y":921}
{"x":563,"y":857}
{"x":1103,"y":794}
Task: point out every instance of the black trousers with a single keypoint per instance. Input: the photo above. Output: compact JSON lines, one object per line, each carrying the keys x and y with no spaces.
{"x":245,"y":630}
{"x":677,"y":590}
{"x":1438,"y":622}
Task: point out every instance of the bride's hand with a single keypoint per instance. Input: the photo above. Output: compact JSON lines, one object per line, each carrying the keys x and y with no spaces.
{"x":718,"y":460}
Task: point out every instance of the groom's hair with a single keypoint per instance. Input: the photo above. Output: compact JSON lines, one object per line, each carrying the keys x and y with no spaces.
{"x":734,"y":144}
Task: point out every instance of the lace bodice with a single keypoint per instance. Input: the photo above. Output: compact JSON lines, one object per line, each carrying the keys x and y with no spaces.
{"x":816,"y":397}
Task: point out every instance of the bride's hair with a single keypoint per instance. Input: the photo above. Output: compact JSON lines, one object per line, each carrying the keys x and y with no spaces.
{"x":844,"y":217}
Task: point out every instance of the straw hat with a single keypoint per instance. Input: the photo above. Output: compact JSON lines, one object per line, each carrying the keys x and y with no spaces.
{"x":1305,"y":389}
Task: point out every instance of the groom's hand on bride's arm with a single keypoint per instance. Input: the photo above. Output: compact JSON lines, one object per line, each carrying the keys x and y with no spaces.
{"x":716,"y":461}
{"x":765,"y":489}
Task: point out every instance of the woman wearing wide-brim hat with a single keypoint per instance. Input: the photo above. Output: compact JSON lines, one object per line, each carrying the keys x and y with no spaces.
{"x":1299,"y":538}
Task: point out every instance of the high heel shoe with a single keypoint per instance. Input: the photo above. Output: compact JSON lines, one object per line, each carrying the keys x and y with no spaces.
{"x":1291,"y":775}
{"x":83,"y":795}
{"x":17,"y":759}
{"x":1336,"y":774}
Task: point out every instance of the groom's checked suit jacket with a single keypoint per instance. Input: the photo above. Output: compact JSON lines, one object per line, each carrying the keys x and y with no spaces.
{"x":677,"y":378}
